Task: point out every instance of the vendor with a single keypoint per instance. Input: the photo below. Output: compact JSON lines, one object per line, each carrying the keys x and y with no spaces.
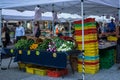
{"x":112,"y":27}
{"x":56,"y":29}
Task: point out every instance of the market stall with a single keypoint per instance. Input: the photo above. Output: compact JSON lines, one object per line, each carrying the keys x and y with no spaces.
{"x":48,"y":52}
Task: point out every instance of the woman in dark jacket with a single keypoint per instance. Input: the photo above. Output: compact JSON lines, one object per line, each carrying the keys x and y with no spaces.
{"x":7,"y":36}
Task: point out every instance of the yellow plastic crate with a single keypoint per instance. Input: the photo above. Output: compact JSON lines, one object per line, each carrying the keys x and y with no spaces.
{"x":29,"y":65}
{"x":90,"y":54}
{"x":89,"y":45}
{"x":21,"y":65}
{"x":80,"y":28}
{"x":92,"y":36}
{"x":97,"y":60}
{"x":41,"y":72}
{"x":92,"y":51}
{"x":30,"y":70}
{"x":88,"y":48}
{"x":89,"y":67}
{"x":112,"y":38}
{"x":86,"y":39}
{"x":92,"y":71}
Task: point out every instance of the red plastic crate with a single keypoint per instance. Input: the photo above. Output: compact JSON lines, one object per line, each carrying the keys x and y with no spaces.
{"x":57,"y":73}
{"x":89,"y":63}
{"x":87,"y":31}
{"x":85,"y":21}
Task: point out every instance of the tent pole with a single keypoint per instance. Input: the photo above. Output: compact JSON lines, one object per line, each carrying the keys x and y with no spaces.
{"x":119,"y":14}
{"x":53,"y":27}
{"x":0,"y":27}
{"x":103,"y":24}
{"x":32,"y":23}
{"x":83,"y":66}
{"x":53,"y":21}
{"x":25,"y":24}
{"x":70,"y":28}
{"x":119,"y":11}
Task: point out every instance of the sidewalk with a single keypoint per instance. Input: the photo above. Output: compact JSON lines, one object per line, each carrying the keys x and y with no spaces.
{"x":15,"y":74}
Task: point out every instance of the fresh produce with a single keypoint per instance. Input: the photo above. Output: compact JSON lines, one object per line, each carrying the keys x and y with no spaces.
{"x":44,"y":44}
{"x":62,"y":45}
{"x":33,"y":46}
{"x":24,"y":44}
{"x":67,"y":38}
{"x":66,"y":46}
{"x":30,"y":42}
{"x":58,"y":41}
{"x":21,"y":44}
{"x":52,"y":47}
{"x":38,"y":40}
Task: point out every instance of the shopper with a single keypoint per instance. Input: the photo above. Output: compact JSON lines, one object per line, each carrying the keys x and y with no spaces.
{"x":5,"y":35}
{"x":37,"y":31}
{"x":19,"y":32}
{"x":118,"y":44}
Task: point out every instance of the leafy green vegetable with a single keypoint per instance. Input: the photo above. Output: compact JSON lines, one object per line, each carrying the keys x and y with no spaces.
{"x":21,"y":44}
{"x":44,"y":45}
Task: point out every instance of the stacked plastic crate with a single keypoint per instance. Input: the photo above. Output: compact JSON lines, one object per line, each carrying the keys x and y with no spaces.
{"x":107,"y":58}
{"x":91,"y":60}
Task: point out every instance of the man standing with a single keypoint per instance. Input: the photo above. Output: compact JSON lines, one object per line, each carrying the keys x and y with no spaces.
{"x":19,"y":32}
{"x":111,"y":26}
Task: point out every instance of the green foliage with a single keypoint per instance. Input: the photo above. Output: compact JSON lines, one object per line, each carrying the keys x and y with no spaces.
{"x":24,"y":44}
{"x":21,"y":44}
{"x":44,"y":45}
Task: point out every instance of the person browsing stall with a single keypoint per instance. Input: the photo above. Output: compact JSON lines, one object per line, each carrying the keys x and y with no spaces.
{"x":6,"y":34}
{"x":20,"y":31}
{"x":37,"y":31}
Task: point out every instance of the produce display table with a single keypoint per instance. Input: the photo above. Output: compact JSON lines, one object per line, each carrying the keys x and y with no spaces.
{"x":48,"y":59}
{"x":44,"y":58}
{"x":6,"y":53}
{"x":107,"y":45}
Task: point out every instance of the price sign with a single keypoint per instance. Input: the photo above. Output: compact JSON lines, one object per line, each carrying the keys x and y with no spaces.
{"x":11,"y":50}
{"x":28,"y":52}
{"x":20,"y":51}
{"x":37,"y":53}
{"x":54,"y":55}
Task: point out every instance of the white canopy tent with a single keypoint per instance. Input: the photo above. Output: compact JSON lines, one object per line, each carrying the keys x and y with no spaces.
{"x":8,"y":14}
{"x":112,"y":3}
{"x":23,"y":18}
{"x":67,"y":6}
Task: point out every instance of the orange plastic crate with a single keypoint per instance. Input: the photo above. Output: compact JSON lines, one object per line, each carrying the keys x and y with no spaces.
{"x":57,"y":73}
